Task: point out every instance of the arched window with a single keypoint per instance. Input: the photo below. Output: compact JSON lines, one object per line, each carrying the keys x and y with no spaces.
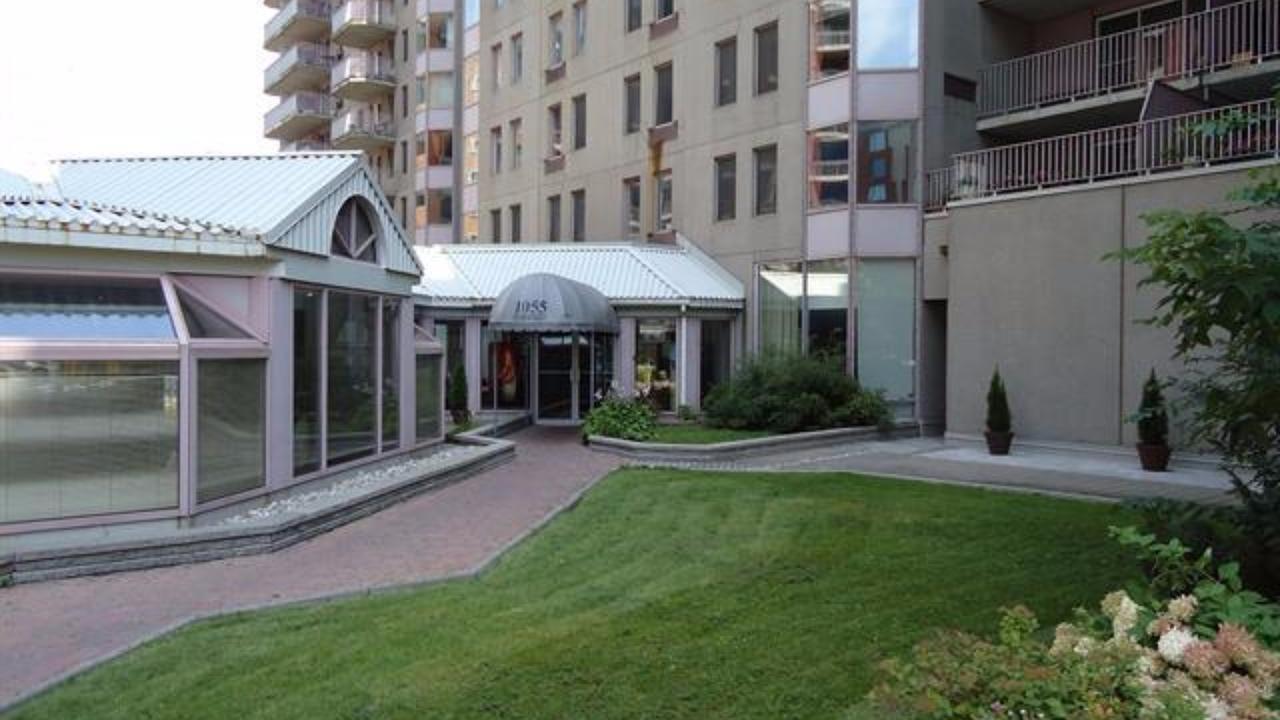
{"x":355,"y":234}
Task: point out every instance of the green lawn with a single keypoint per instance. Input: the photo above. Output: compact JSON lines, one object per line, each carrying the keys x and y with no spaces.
{"x":662,"y":595}
{"x":693,"y":434}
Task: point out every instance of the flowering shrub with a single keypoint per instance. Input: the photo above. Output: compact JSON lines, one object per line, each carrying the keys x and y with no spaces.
{"x":1207,"y":653}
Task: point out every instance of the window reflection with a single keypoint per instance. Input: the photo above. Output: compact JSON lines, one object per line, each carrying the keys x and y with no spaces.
{"x":888,"y":33}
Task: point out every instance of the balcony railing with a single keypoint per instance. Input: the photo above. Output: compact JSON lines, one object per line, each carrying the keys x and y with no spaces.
{"x":294,"y":10}
{"x":303,"y":54}
{"x":366,"y":67}
{"x":364,"y":12}
{"x":361,"y":123}
{"x":829,"y":170}
{"x":303,"y":103}
{"x":833,"y":39}
{"x":1242,"y":33}
{"x":1228,"y":134}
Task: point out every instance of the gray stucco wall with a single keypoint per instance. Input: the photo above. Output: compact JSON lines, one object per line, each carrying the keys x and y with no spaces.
{"x":1029,"y":291}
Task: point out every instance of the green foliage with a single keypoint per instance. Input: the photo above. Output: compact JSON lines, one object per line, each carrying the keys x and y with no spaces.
{"x":1219,"y":273}
{"x":999,"y":419}
{"x":624,"y":419}
{"x":456,"y":393}
{"x":1153,"y":415}
{"x":686,"y":413}
{"x":787,"y":394}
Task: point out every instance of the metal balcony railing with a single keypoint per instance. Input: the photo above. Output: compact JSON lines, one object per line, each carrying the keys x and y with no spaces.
{"x":829,"y":170}
{"x":837,"y":39}
{"x":315,"y":9}
{"x":303,"y":103}
{"x":312,"y":54}
{"x":1228,"y":134}
{"x":365,"y":12}
{"x":362,"y":66}
{"x":1238,"y":34}
{"x":361,"y":122}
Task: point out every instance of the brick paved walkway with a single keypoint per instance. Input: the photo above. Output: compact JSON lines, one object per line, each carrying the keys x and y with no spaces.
{"x":48,"y":630}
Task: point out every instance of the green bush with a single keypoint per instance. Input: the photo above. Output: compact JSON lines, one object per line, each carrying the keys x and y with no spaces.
{"x":456,"y":394}
{"x":1153,"y":416}
{"x":624,"y":419}
{"x":788,"y":394}
{"x":999,"y":419}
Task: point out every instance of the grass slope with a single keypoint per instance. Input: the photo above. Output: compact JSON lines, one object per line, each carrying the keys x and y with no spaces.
{"x":663,"y":595}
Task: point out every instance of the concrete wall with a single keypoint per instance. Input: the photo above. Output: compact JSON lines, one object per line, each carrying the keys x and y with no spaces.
{"x":1030,"y":292}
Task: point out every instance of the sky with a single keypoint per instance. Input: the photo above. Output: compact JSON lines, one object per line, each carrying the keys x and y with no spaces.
{"x":94,"y":78}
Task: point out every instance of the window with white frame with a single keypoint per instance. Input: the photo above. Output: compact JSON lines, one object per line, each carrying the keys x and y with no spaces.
{"x":517,"y":143}
{"x":631,"y":98}
{"x":517,"y":57}
{"x":555,"y":39}
{"x":555,"y":131}
{"x":766,"y":58}
{"x":665,"y":201}
{"x":726,"y":187}
{"x":631,"y":207}
{"x":495,"y":150}
{"x":664,"y":94}
{"x":726,"y":72}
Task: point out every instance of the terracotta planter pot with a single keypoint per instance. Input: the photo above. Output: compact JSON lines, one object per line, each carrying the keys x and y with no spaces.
{"x":999,"y":443}
{"x":1155,"y":458}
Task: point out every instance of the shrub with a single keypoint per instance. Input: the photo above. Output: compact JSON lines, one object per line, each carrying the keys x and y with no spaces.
{"x":686,"y":413}
{"x":1153,"y":416}
{"x":999,"y":419}
{"x":456,"y":394}
{"x":787,"y":394}
{"x":624,"y":419}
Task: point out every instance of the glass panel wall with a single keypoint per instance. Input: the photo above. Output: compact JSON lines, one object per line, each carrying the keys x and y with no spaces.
{"x":505,"y":366}
{"x":87,"y":438}
{"x":83,"y":309}
{"x":352,"y":377}
{"x":830,"y":39}
{"x":428,"y":397}
{"x":307,"y":390}
{"x":656,"y":354}
{"x":780,"y":307}
{"x":595,"y":382}
{"x":717,"y":354}
{"x":886,"y":327}
{"x":390,"y":374}
{"x":230,"y":427}
{"x":888,"y":34}
{"x":828,"y":288}
{"x":886,"y":162}
{"x":555,"y":376}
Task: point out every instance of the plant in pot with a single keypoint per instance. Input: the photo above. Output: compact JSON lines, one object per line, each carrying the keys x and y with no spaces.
{"x":457,"y":395}
{"x":999,"y":419}
{"x":1153,"y":427}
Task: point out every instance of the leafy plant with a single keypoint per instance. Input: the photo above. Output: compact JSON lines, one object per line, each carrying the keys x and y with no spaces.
{"x":786,"y":394}
{"x":625,"y":419}
{"x":1153,"y":416}
{"x":456,"y":394}
{"x":999,"y":419}
{"x":686,"y":413}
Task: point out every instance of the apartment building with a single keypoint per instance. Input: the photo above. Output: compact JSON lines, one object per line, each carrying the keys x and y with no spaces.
{"x":381,"y":77}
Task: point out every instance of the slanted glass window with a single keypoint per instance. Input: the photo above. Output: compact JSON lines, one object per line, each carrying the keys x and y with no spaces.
{"x":83,"y":309}
{"x":230,"y":427}
{"x":355,"y":233}
{"x":203,"y":322}
{"x":888,"y":34}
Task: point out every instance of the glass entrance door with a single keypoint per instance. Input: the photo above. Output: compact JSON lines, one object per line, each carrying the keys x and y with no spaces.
{"x":557,"y":366}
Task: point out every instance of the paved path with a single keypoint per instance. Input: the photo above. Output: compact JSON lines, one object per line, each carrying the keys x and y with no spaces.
{"x":48,"y":630}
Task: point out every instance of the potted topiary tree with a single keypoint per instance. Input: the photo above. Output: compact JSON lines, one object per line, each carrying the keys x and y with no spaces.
{"x":999,"y":419}
{"x":456,"y":396}
{"x":1153,"y":427}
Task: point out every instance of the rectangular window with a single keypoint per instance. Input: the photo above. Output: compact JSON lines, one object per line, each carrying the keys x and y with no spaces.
{"x":404,"y":45}
{"x":390,"y":374}
{"x":780,"y":307}
{"x":440,"y":206}
{"x":352,"y":378}
{"x":664,"y":195}
{"x":404,"y":157}
{"x":830,"y":38}
{"x":517,"y":223}
{"x":517,"y":143}
{"x":827,"y":303}
{"x":829,"y":166}
{"x":495,"y":62}
{"x":888,"y":34}
{"x":517,"y":57}
{"x":726,"y":72}
{"x":631,"y":207}
{"x":440,"y":31}
{"x":726,"y":187}
{"x":579,"y":27}
{"x":555,"y":39}
{"x":633,"y":13}
{"x":579,"y":202}
{"x":404,"y":101}
{"x":307,"y":388}
{"x":886,"y":162}
{"x":664,"y":96}
{"x":767,"y":58}
{"x":440,"y":90}
{"x":766,"y":173}
{"x":553,"y":218}
{"x":440,"y":147}
{"x":428,"y":398}
{"x":579,"y":122}
{"x":656,"y":363}
{"x":495,"y":150}
{"x":663,"y":8}
{"x":631,"y":93}
{"x":495,"y":226}
{"x":886,"y":327}
{"x":555,"y":131}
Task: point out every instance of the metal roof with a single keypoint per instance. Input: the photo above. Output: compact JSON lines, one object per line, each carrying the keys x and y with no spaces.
{"x":14,"y":184}
{"x":471,"y":275}
{"x":42,"y":221}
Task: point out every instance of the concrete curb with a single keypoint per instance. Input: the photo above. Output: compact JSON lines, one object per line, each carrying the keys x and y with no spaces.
{"x":720,"y":452}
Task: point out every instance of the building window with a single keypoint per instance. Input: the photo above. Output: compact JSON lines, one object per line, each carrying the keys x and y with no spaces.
{"x":886,"y":162}
{"x":631,"y":93}
{"x":440,"y":31}
{"x":664,"y":97}
{"x":726,"y":72}
{"x":440,"y":90}
{"x":404,"y":100}
{"x":656,"y":361}
{"x":827,"y":306}
{"x":495,"y":57}
{"x":555,"y":131}
{"x":726,"y":187}
{"x":664,"y":195}
{"x":886,"y":327}
{"x":579,"y":122}
{"x":471,"y":76}
{"x":553,"y":218}
{"x":471,"y":159}
{"x":663,"y":9}
{"x":440,"y":147}
{"x":428,"y":400}
{"x":404,"y":157}
{"x":352,"y":380}
{"x":495,"y":150}
{"x":830,"y":38}
{"x":555,"y":37}
{"x":517,"y":57}
{"x":517,"y":224}
{"x":766,"y":173}
{"x":767,"y":58}
{"x":634,"y":20}
{"x":495,"y":226}
{"x":631,"y":207}
{"x":440,"y":206}
{"x":780,"y":307}
{"x":579,"y":27}
{"x":829,"y":166}
{"x":888,"y":34}
{"x":355,"y":233}
{"x":517,"y":143}
{"x":404,"y":45}
{"x":578,"y":201}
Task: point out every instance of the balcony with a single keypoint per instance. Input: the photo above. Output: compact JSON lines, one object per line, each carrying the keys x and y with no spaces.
{"x":363,"y":76}
{"x":297,"y":116}
{"x":304,"y":66}
{"x":361,"y":130}
{"x":1228,"y":47}
{"x":1249,"y":131}
{"x":363,"y":23}
{"x":298,"y":21}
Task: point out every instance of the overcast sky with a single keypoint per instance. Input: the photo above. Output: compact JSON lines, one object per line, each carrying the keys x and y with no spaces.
{"x":88,"y":78}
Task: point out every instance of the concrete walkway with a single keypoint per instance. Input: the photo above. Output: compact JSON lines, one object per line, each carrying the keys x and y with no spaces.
{"x":49,"y":630}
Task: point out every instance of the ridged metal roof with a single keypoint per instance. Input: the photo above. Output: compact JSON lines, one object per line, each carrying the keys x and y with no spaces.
{"x":14,"y":184}
{"x":624,"y":273}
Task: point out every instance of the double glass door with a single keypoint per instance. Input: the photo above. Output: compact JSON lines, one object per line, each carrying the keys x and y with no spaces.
{"x":574,"y":372}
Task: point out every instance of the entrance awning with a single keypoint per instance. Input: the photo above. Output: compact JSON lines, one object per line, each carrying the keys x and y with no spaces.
{"x":546,"y":303}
